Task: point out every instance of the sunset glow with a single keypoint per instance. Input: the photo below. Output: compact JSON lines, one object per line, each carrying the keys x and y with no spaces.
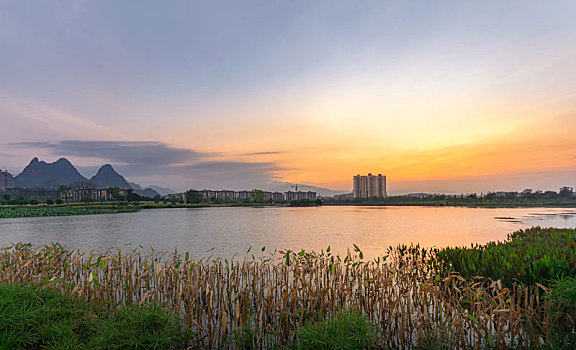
{"x":479,"y":96}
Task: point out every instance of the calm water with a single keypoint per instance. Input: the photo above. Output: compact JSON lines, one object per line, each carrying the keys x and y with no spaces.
{"x":232,"y":230}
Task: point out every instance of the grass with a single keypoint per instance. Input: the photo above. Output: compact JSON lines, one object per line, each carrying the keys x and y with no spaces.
{"x":408,"y":298}
{"x":32,"y":317}
{"x":535,"y":255}
{"x":35,"y":211}
{"x":349,"y":330}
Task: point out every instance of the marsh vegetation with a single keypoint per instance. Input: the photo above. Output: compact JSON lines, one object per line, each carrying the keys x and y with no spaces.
{"x":409,"y":298}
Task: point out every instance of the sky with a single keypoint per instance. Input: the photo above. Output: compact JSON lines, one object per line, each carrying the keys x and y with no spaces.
{"x":440,"y":96}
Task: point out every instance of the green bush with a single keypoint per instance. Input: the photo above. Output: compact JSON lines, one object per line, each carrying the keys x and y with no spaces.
{"x":349,"y":330}
{"x":535,"y":255}
{"x":32,"y":317}
{"x":561,"y":303}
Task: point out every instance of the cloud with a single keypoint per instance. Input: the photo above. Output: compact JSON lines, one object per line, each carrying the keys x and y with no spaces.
{"x":261,"y":153}
{"x":162,"y":164}
{"x":230,"y":174}
{"x":136,"y":153}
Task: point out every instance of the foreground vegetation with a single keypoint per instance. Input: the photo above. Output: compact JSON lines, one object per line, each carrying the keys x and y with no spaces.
{"x":410,"y":298}
{"x":527,"y":257}
{"x":32,"y":317}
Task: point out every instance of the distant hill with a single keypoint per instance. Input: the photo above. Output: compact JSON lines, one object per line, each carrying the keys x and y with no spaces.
{"x":49,"y":175}
{"x":108,"y":177}
{"x":162,"y":190}
{"x":147,"y":192}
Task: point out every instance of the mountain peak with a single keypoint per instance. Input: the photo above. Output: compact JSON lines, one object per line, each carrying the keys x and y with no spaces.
{"x":63,"y":161}
{"x":49,"y":175}
{"x":108,"y":177}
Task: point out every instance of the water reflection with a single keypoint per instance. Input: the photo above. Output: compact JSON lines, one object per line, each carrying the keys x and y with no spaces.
{"x":232,"y":230}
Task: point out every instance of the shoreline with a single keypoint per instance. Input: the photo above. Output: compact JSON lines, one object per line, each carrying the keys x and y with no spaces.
{"x":18,"y":211}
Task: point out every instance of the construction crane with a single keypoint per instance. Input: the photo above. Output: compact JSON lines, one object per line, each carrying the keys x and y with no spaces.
{"x":295,"y":186}
{"x":5,"y":173}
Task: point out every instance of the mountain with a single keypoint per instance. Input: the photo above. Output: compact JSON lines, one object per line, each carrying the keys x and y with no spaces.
{"x":147,"y":192}
{"x":162,"y":190}
{"x":287,"y":186}
{"x":108,"y":177}
{"x":12,"y":183}
{"x":49,"y":175}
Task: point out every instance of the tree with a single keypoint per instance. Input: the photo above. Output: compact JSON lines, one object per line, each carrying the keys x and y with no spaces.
{"x":258,"y":196}
{"x":131,"y":196}
{"x":193,"y":196}
{"x":114,"y":193}
{"x":63,"y":189}
{"x":85,"y":191}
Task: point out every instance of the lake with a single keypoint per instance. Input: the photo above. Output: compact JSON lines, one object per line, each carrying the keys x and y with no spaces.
{"x":232,"y":230}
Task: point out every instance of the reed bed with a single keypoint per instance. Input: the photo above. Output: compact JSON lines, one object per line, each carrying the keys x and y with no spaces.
{"x":271,"y":296}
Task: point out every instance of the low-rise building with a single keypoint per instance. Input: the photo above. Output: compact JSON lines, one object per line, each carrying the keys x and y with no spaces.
{"x":291,"y":196}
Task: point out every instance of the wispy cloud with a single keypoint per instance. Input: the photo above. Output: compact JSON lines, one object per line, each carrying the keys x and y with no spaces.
{"x":261,"y":153}
{"x":54,"y":118}
{"x":140,"y":153}
{"x":155,"y":161}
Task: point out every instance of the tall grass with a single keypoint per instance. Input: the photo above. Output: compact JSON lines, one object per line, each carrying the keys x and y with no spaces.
{"x":273,"y":296}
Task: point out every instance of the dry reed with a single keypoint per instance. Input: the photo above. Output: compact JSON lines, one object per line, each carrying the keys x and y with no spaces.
{"x":276,"y":294}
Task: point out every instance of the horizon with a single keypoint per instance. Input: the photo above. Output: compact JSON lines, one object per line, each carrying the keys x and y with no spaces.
{"x":441,"y":98}
{"x":268,"y":186}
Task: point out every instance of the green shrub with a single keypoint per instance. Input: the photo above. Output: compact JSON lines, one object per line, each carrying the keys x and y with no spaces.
{"x":141,"y":327}
{"x":32,"y":317}
{"x":535,"y":255}
{"x":246,"y":338}
{"x":561,"y":303}
{"x":349,"y":330}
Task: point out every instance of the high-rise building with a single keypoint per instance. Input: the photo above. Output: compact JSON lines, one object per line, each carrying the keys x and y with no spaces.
{"x":371,"y":186}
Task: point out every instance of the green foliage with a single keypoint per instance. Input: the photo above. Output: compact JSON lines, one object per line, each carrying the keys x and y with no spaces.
{"x":349,"y":330}
{"x":34,"y":317}
{"x":193,"y":196}
{"x":142,"y":327}
{"x":52,"y":211}
{"x":530,"y":256}
{"x":305,"y":202}
{"x":561,"y":304}
{"x":258,"y":196}
{"x":246,"y":338}
{"x":49,"y":202}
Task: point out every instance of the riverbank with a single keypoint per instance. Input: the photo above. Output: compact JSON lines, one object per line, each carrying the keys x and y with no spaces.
{"x":72,"y":209}
{"x":410,"y":297}
{"x":467,"y":203}
{"x":40,"y":211}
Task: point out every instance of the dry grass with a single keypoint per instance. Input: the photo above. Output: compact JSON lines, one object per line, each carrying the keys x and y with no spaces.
{"x":276,"y":294}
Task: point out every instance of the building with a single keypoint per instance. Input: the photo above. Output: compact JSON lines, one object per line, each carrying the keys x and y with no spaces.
{"x":567,"y":190}
{"x":291,"y":196}
{"x":274,"y":196}
{"x":370,"y":186}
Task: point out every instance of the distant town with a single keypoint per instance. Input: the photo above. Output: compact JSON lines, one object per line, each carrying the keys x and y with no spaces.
{"x":60,"y":182}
